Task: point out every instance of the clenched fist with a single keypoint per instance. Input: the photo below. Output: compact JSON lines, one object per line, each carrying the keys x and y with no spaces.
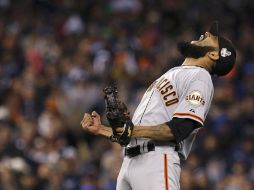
{"x":91,"y":123}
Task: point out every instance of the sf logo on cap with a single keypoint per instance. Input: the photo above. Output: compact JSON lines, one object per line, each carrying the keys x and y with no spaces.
{"x":224,"y":52}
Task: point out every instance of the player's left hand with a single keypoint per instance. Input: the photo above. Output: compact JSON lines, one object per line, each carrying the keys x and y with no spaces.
{"x":124,"y":133}
{"x":119,"y":130}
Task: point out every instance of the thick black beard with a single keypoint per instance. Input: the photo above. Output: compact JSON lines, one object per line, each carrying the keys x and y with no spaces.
{"x":193,"y":51}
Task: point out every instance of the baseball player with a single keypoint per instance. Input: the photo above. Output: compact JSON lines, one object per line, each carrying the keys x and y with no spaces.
{"x":170,"y":114}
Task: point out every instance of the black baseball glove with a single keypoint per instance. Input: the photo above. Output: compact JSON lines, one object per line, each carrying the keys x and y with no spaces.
{"x":118,"y":116}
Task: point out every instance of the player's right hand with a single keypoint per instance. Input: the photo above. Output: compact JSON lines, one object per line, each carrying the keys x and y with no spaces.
{"x":91,"y":123}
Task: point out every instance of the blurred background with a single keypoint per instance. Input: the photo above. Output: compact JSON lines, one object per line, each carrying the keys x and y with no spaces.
{"x":56,"y":56}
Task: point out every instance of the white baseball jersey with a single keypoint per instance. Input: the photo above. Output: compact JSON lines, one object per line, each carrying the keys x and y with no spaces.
{"x":182,"y":92}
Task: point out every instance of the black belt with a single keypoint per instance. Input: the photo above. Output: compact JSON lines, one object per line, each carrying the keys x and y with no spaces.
{"x":137,"y":150}
{"x":146,"y":147}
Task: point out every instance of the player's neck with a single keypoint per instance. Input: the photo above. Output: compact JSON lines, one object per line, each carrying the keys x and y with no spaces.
{"x":200,"y":62}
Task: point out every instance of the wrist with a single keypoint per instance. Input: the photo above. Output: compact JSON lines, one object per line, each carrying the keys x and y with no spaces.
{"x":137,"y":131}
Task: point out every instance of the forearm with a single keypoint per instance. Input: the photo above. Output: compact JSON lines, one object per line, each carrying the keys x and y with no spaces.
{"x":158,"y":132}
{"x":105,"y":131}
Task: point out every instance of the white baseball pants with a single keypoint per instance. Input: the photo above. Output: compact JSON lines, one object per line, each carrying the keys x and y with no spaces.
{"x":155,"y":170}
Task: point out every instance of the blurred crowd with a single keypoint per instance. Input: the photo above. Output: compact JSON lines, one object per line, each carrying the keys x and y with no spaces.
{"x":56,"y":56}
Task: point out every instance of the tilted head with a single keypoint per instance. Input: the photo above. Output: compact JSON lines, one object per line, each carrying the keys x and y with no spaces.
{"x":211,"y":45}
{"x":227,"y":53}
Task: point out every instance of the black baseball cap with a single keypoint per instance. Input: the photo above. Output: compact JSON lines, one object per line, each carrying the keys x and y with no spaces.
{"x":227,"y":52}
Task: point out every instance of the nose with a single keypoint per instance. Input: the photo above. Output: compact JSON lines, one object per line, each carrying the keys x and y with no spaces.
{"x":207,"y":34}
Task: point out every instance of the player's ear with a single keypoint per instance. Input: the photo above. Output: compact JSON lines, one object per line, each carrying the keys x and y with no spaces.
{"x":213,"y":55}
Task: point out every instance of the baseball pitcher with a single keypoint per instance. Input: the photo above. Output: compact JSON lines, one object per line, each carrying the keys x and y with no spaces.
{"x":168,"y":117}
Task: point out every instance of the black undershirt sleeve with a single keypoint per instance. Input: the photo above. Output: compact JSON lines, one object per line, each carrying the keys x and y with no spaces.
{"x":182,"y":127}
